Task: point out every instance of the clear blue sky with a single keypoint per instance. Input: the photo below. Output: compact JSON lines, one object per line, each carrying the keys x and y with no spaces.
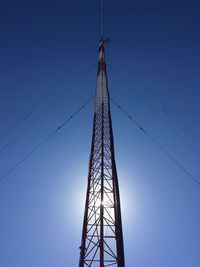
{"x":44,"y":44}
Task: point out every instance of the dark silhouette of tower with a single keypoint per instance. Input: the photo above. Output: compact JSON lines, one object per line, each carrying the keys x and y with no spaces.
{"x":102,"y":239}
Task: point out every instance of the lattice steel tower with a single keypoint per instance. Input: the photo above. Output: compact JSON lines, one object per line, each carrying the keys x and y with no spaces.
{"x":102,"y":239}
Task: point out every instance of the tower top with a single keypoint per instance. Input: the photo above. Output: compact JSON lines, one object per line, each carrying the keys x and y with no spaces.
{"x":101,"y":50}
{"x":102,"y":60}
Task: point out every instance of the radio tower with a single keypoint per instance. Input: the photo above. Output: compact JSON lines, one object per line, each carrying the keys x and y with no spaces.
{"x":102,"y":239}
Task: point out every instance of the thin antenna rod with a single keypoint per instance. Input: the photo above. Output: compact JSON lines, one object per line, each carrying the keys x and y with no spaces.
{"x":102,"y":19}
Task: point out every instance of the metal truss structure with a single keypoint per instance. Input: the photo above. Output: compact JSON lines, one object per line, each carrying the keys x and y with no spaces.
{"x":102,"y":239}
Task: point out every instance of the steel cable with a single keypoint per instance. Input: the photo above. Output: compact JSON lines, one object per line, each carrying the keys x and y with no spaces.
{"x":69,"y":118}
{"x":59,"y":97}
{"x":184,"y":140}
{"x":138,"y":125}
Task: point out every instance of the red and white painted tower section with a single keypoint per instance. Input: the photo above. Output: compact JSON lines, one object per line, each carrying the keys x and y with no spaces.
{"x":102,"y":239}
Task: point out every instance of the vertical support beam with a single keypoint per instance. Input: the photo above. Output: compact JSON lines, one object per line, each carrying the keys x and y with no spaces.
{"x":118,"y":218}
{"x":84,"y":231}
{"x":102,"y":180}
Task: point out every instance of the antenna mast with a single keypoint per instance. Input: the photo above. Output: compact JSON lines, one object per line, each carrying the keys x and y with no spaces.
{"x":102,"y":19}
